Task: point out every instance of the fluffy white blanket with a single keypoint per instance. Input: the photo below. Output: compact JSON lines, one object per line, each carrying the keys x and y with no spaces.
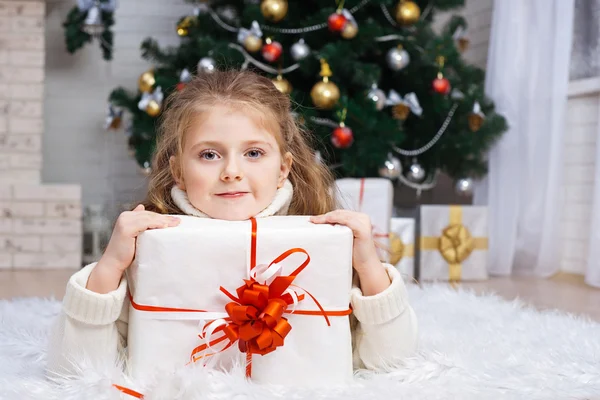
{"x":471,"y":347}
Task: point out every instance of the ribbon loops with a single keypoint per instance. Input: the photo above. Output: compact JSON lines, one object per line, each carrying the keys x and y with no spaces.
{"x":456,"y":243}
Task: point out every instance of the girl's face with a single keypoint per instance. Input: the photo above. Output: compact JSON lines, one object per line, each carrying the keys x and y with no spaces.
{"x":231,"y":167}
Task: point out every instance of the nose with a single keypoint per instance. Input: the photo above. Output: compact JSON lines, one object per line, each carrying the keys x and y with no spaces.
{"x":232,"y":171}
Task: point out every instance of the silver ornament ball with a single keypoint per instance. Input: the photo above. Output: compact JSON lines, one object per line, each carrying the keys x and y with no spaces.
{"x":377,"y":96}
{"x":391,"y":168}
{"x":397,"y":58}
{"x":416,"y":173}
{"x":300,"y":50}
{"x":464,"y":186}
{"x":206,"y":65}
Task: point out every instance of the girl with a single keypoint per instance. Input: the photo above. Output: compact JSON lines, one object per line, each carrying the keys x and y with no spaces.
{"x":229,"y":148}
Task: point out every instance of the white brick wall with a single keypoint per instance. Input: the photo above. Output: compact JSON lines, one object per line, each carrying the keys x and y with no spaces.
{"x":76,"y":148}
{"x":40,"y":224}
{"x":579,"y":162}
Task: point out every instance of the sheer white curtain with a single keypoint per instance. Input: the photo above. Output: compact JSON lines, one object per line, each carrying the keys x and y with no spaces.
{"x":527,"y":77}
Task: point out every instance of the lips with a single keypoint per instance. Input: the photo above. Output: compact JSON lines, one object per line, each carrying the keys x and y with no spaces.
{"x":231,"y":194}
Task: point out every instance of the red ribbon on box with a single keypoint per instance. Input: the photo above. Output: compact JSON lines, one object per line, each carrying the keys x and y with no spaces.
{"x":255,"y":319}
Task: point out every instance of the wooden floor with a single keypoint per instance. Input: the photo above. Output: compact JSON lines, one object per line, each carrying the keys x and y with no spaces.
{"x":564,"y":291}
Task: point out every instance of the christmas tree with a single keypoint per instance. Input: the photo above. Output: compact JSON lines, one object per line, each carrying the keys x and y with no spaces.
{"x":383,"y":93}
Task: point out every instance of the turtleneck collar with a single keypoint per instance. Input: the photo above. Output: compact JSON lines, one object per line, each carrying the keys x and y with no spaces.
{"x":279,"y":206}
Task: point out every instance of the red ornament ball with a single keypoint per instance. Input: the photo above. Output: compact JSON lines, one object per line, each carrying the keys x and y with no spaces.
{"x":272,"y":51}
{"x":441,"y":85}
{"x":180,"y":86}
{"x":336,"y":22}
{"x":342,"y":137}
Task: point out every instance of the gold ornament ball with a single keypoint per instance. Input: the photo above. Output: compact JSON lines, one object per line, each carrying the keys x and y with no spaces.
{"x":153,"y":108}
{"x":396,"y":248}
{"x":147,"y":81}
{"x":350,"y":31}
{"x":325,"y":95}
{"x":253,"y":43}
{"x":407,"y":12}
{"x":283,"y":85}
{"x":274,"y":10}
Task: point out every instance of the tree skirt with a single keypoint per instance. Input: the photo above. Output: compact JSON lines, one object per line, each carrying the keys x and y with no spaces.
{"x":471,"y":347}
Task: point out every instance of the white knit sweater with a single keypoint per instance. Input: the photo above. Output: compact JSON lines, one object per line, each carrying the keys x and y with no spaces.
{"x":93,"y":326}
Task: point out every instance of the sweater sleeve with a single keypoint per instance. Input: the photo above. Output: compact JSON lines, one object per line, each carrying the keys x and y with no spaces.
{"x":387,"y":325}
{"x":91,"y":328}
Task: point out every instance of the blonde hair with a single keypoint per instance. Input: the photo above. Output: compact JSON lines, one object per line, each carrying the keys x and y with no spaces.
{"x":255,"y":94}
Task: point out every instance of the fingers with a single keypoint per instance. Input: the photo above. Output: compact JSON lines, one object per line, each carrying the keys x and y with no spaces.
{"x":358,"y":222}
{"x":137,"y":221}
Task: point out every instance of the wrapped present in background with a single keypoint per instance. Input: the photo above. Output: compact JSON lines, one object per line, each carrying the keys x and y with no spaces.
{"x":453,"y":243}
{"x":176,"y":282}
{"x":374,"y":197}
{"x":402,"y":246}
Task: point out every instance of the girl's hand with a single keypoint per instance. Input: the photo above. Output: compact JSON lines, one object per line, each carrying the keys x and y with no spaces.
{"x":371,"y":273}
{"x":107,"y":274}
{"x":121,"y":247}
{"x":364,"y":252}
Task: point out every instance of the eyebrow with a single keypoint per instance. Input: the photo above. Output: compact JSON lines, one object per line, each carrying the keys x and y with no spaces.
{"x":210,"y":143}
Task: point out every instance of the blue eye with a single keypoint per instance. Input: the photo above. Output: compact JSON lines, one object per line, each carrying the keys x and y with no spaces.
{"x":255,"y":153}
{"x":208,"y":155}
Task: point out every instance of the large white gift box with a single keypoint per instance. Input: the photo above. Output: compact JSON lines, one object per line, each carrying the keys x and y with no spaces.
{"x":374,"y":197}
{"x":402,"y":246}
{"x":175,"y":285}
{"x":453,"y":243}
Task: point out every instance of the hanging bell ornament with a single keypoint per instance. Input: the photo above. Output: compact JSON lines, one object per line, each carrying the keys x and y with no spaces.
{"x":403,"y":106}
{"x":272,"y":50}
{"x":464,"y":187}
{"x":206,"y":65}
{"x":391,"y":169}
{"x":152,"y":102}
{"x":274,"y":10}
{"x":377,"y":96}
{"x":282,"y":84}
{"x":416,"y":173}
{"x":184,"y":78}
{"x":397,"y":58}
{"x":407,"y":12}
{"x":342,"y":137}
{"x":183,"y":27}
{"x":476,"y":118}
{"x":325,"y":94}
{"x":251,"y":38}
{"x":146,"y":81}
{"x":300,"y":50}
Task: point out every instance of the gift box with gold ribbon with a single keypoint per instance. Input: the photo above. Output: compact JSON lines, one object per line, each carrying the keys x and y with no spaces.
{"x":402,"y":246}
{"x":453,"y":243}
{"x":270,"y":295}
{"x":374,"y":197}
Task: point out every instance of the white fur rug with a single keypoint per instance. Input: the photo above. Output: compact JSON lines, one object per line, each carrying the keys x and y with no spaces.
{"x":471,"y":347}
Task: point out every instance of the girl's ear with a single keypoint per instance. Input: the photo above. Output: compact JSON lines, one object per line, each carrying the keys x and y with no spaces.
{"x":286,"y":167}
{"x":175,"y":168}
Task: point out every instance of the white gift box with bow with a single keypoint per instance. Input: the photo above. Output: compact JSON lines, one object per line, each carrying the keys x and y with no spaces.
{"x":185,"y":266}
